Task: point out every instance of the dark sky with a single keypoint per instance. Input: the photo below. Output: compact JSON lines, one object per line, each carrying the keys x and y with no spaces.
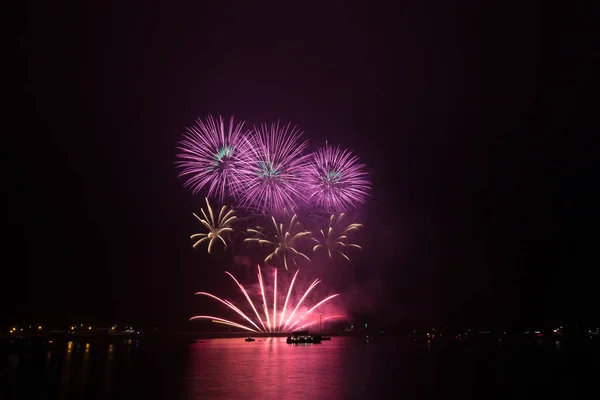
{"x":475,"y":121}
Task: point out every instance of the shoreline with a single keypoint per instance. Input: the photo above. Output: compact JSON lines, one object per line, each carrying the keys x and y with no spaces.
{"x":171,"y":336}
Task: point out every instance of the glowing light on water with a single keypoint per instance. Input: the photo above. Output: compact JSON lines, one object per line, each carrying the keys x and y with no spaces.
{"x":266,"y":325}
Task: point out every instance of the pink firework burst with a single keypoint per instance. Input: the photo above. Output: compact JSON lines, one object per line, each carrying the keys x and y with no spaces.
{"x":271,"y":319}
{"x":210,"y":153}
{"x":272,"y":174}
{"x":336,"y":179}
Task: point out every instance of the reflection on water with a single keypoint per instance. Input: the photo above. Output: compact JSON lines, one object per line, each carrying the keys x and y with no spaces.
{"x":65,"y":379}
{"x":214,"y":368}
{"x":269,"y":368}
{"x":343,"y":368}
{"x":85,"y":369}
{"x":107,"y":375}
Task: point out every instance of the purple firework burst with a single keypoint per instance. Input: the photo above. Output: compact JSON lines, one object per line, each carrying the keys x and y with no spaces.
{"x":272,"y":174}
{"x":210,"y":153}
{"x":337,"y":181}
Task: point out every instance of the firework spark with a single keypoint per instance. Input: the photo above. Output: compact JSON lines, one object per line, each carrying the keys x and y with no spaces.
{"x":210,"y":153}
{"x":336,"y":179}
{"x":217,"y":228}
{"x":283,"y":241}
{"x":281,"y":322}
{"x":335,"y":238}
{"x":271,"y":173}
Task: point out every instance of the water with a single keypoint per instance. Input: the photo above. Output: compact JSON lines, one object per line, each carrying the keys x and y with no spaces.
{"x":343,"y":368}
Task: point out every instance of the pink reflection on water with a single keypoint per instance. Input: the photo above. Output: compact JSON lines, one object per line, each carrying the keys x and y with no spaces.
{"x":266,"y":369}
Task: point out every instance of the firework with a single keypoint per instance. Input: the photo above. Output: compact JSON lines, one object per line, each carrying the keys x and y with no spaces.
{"x":272,"y":320}
{"x":271,"y":174}
{"x":335,"y":238}
{"x":336,"y":179}
{"x":210,"y":154}
{"x":283,"y":241}
{"x":217,"y":228}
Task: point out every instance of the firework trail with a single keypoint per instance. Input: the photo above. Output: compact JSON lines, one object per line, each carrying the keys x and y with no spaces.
{"x":210,"y":153}
{"x":271,"y":177}
{"x":334,"y":238}
{"x":320,"y":320}
{"x":217,"y":228}
{"x":336,"y":180}
{"x":267,"y":325}
{"x":283,"y":241}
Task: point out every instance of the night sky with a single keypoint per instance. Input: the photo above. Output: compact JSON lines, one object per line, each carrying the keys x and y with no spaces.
{"x":476,"y":123}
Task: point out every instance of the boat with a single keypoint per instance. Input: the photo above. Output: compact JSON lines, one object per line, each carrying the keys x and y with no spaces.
{"x":249,"y":339}
{"x":303,"y":337}
{"x":325,"y":338}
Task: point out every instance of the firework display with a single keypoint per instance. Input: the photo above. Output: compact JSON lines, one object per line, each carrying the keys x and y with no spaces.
{"x":287,"y":318}
{"x":282,"y":242}
{"x":337,"y":181}
{"x":217,"y":228}
{"x":335,"y":238}
{"x":210,"y":154}
{"x":271,"y":177}
{"x":270,"y":173}
{"x":268,"y":169}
